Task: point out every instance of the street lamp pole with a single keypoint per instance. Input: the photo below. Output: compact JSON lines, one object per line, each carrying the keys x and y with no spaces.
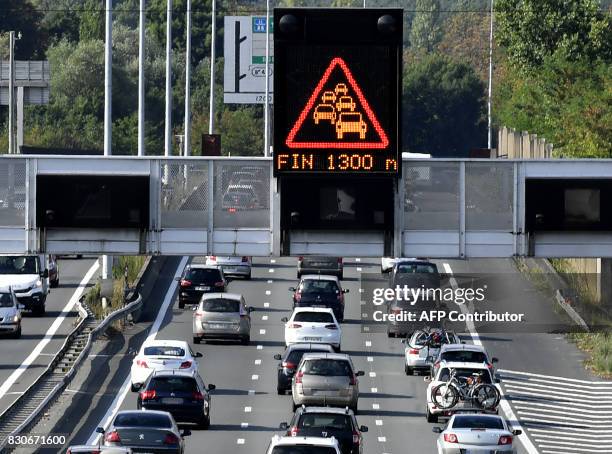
{"x":490,"y":91}
{"x":267,"y":96}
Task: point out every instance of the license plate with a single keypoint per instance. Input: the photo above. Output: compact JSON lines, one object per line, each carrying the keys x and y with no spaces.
{"x":312,"y":338}
{"x":172,"y":400}
{"x":217,"y":326}
{"x":202,"y":288}
{"x":319,"y":305}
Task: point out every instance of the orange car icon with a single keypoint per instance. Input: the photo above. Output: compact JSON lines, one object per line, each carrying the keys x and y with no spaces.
{"x":345,"y":103}
{"x":351,"y":122}
{"x":341,"y":89}
{"x":328,"y":97}
{"x":324,"y":112}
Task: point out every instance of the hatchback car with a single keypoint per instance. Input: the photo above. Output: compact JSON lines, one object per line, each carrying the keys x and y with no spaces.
{"x":158,"y":355}
{"x":53,"y":268}
{"x":415,"y":273}
{"x":339,"y":423}
{"x":183,"y":394}
{"x":145,"y":431}
{"x":10,"y":314}
{"x":289,"y":361}
{"x":320,"y":291}
{"x":231,"y":265}
{"x":222,"y":316}
{"x":466,"y":353}
{"x":302,"y":445}
{"x":84,"y":449}
{"x":198,"y":280}
{"x":423,"y":346}
{"x":326,"y":379}
{"x":476,"y":433}
{"x":320,"y":265}
{"x":313,"y":325}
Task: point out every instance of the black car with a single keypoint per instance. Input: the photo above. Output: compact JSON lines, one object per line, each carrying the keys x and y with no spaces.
{"x":290,"y":360}
{"x":182,"y":394}
{"x":197,"y":280}
{"x":320,"y":265}
{"x":415,"y":273}
{"x":328,"y":422}
{"x":320,"y":291}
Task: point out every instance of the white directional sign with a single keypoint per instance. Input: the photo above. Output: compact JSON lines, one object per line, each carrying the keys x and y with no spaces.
{"x":245,"y":60}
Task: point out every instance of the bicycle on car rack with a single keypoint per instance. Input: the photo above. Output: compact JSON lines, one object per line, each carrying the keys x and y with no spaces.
{"x":472,"y":389}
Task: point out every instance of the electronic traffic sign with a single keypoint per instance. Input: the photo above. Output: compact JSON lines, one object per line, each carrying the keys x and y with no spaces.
{"x":337,"y":91}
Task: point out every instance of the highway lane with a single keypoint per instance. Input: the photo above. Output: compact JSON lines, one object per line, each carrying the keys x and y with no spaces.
{"x":24,"y":359}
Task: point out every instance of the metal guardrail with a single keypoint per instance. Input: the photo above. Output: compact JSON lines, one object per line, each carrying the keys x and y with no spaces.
{"x":28,"y":408}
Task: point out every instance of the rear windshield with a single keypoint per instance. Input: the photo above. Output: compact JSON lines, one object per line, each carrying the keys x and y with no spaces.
{"x":327,"y":367}
{"x":6,"y":300}
{"x":164,"y":351}
{"x":203,"y":275}
{"x":303,"y":449}
{"x":173,"y":384}
{"x":314,"y":317}
{"x":296,"y":355}
{"x":465,"y":373}
{"x":331,"y":261}
{"x":436,"y":339}
{"x":319,"y":287}
{"x":465,"y":356}
{"x":142,"y":419}
{"x":417,"y":268}
{"x":221,"y":305}
{"x":477,"y":422}
{"x":325,"y":421}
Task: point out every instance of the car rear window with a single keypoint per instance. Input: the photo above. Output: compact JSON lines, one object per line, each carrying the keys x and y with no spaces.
{"x":327,"y":367}
{"x":203,"y":275}
{"x":417,"y":268}
{"x":6,"y":300}
{"x":303,"y":449}
{"x":173,"y":384}
{"x":477,"y":422}
{"x":465,"y":373}
{"x":312,"y":286}
{"x":313,"y":317}
{"x":221,"y":305}
{"x":164,"y":351}
{"x":142,"y":419}
{"x":296,"y":355}
{"x":464,"y":356}
{"x":325,"y":421}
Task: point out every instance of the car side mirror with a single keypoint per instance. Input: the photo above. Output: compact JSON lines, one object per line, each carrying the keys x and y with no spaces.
{"x":137,"y":386}
{"x":360,"y":373}
{"x":427,"y":378}
{"x":250,"y":309}
{"x":45,"y":273}
{"x":292,"y":289}
{"x":283,"y":426}
{"x":517,"y":432}
{"x":228,"y":280}
{"x":494,"y":360}
{"x":211,"y":387}
{"x":278,"y":357}
{"x":198,"y":355}
{"x":100,"y":430}
{"x":284,"y":319}
{"x":363,"y":429}
{"x":436,"y":430}
{"x":185,"y":432}
{"x":345,"y":290}
{"x":497,"y":380}
{"x":463,"y":342}
{"x":178,"y":278}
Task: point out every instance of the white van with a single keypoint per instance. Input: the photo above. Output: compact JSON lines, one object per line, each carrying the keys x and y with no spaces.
{"x":27,"y":276}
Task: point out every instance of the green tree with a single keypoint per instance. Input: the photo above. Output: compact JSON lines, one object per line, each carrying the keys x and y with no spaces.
{"x":241,"y":132}
{"x":531,"y":30}
{"x":91,"y":21}
{"x":425,"y":31}
{"x":443,"y":107}
{"x":21,"y":16}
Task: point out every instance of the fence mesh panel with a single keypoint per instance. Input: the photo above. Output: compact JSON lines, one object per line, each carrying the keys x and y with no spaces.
{"x":431,"y":195}
{"x":12,"y":192}
{"x":184,"y":199}
{"x":241,"y":194}
{"x":488,"y":196}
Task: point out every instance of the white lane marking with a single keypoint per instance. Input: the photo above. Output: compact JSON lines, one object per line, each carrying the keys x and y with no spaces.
{"x":262,"y":331}
{"x":254,"y":377}
{"x":375,"y":406}
{"x":358,"y":260}
{"x":272,"y":260}
{"x":554,"y":377}
{"x":260,"y":347}
{"x":564,"y":386}
{"x":167,"y":303}
{"x":244,"y":425}
{"x":370,"y":359}
{"x":270,"y":281}
{"x":379,"y":422}
{"x":366,"y":328}
{"x":251,"y":392}
{"x":266,"y":304}
{"x":268,"y":292}
{"x":372,"y":374}
{"x":10,"y":381}
{"x":567,"y":449}
{"x":257,"y":362}
{"x":550,"y":390}
{"x":368,"y":343}
{"x":374,"y":390}
{"x":264,"y":318}
{"x":271,"y":270}
{"x":358,"y":269}
{"x":240,"y":441}
{"x":506,"y":408}
{"x":589,"y":408}
{"x":361,"y":290}
{"x":539,"y":394}
{"x":382,"y":439}
{"x":248,"y":409}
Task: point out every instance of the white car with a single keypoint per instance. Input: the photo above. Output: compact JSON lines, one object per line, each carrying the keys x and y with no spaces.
{"x":162,"y":355}
{"x":476,"y":433}
{"x":386,"y":263}
{"x":318,"y":445}
{"x":423,"y":347}
{"x":315,"y":325}
{"x":466,"y":353}
{"x":232,"y":265}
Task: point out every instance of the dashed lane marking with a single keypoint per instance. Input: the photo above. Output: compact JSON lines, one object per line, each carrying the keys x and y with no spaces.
{"x":268,"y":292}
{"x":254,"y":377}
{"x":240,"y":441}
{"x":262,"y":331}
{"x":266,"y":304}
{"x":264,"y":318}
{"x":257,"y":362}
{"x":248,"y":409}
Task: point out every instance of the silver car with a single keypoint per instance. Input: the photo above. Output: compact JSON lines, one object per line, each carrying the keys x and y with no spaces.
{"x":222,"y":316}
{"x":326,"y":379}
{"x":10,"y":314}
{"x":84,"y":449}
{"x":476,"y":433}
{"x":231,"y":265}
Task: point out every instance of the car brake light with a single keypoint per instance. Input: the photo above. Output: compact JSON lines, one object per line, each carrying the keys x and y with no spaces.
{"x":199,"y":314}
{"x":505,"y":440}
{"x":113,"y":437}
{"x":142,"y":363}
{"x":355,"y":438}
{"x":332,"y":326}
{"x":245,"y":259}
{"x":295,"y":325}
{"x":171,"y":439}
{"x":213,"y":258}
{"x":490,"y":365}
{"x":300,"y":258}
{"x":288,"y":365}
{"x":185,"y":364}
{"x":294,"y":431}
{"x":198,"y":396}
{"x":413,"y":351}
{"x":185,"y":283}
{"x":298,"y":377}
{"x":451,"y":438}
{"x":148,"y":395}
{"x":353,"y":380}
{"x":231,"y":210}
{"x":219,"y":284}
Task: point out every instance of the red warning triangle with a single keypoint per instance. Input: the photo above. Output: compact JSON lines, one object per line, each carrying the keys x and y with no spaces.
{"x":350,"y":128}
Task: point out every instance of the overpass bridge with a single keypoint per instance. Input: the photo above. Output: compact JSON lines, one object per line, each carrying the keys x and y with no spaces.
{"x":451,"y":208}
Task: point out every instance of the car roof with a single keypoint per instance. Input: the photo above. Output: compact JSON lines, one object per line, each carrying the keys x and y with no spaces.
{"x":313,"y":309}
{"x":333,"y":410}
{"x":320,"y":277}
{"x":174,"y":373}
{"x":306,"y":346}
{"x":166,"y":343}
{"x":464,"y":365}
{"x":315,"y":441}
{"x":463,"y":347}
{"x":220,"y":295}
{"x":202,"y":266}
{"x":325,"y":355}
{"x":142,"y":412}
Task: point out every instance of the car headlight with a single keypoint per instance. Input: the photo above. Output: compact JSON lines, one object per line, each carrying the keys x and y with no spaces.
{"x":16,"y":318}
{"x":39,"y":283}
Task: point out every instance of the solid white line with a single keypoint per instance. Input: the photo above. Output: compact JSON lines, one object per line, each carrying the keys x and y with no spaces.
{"x":116,"y":404}
{"x":10,"y":381}
{"x":553,"y":377}
{"x":506,"y":408}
